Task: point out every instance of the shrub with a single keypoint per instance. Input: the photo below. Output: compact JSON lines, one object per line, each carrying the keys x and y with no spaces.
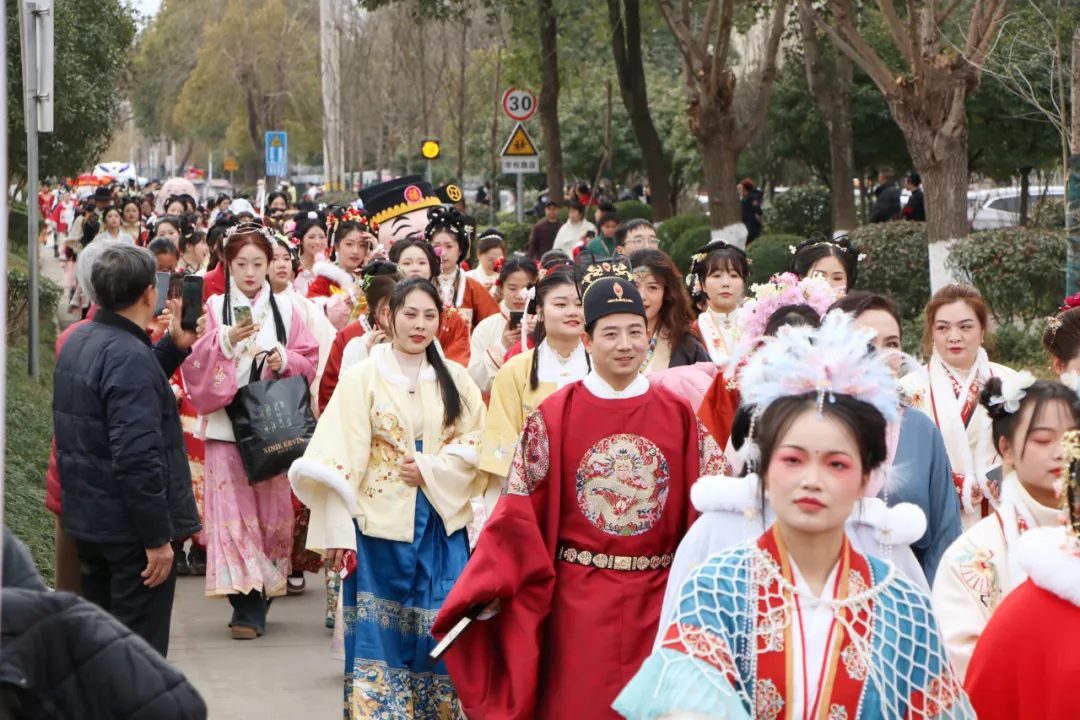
{"x":1020,"y":272}
{"x":672,"y":229}
{"x":632,"y":210}
{"x":517,"y":235}
{"x":687,"y":243}
{"x":1016,"y":348}
{"x":18,"y":230}
{"x":1048,"y":213}
{"x":800,"y":211}
{"x":49,"y":294}
{"x":769,"y":255}
{"x":896,"y":264}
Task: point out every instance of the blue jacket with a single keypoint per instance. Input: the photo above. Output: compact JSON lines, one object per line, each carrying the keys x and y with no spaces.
{"x":120,"y":453}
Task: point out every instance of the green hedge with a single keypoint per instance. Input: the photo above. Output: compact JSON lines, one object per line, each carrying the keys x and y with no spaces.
{"x":517,"y":235}
{"x":18,"y":304}
{"x":770,"y":255}
{"x":896,"y":264}
{"x":18,"y":230}
{"x":672,"y":229}
{"x":1020,"y":272}
{"x":690,"y":240}
{"x":628,"y":210}
{"x":801,"y":210}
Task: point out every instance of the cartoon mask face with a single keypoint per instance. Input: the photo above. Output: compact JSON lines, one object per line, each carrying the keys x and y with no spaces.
{"x":402,"y":226}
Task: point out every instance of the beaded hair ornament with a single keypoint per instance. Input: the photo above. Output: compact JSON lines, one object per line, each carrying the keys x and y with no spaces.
{"x":352,"y":215}
{"x":841,"y":243}
{"x":250,"y":227}
{"x":1055,"y":322}
{"x":835,"y":359}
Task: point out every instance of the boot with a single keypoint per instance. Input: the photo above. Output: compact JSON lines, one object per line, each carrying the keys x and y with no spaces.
{"x":197,"y":560}
{"x":181,"y":559}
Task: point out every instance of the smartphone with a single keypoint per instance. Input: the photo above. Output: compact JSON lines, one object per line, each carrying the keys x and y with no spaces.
{"x":515,"y":319}
{"x":193,"y":302}
{"x":241,"y":313}
{"x":176,"y":285}
{"x":163,"y":279}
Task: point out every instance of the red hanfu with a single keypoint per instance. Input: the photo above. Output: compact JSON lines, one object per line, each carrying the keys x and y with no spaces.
{"x":577,"y":551}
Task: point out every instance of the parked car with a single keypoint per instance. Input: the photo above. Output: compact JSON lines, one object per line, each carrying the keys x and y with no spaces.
{"x":1000,"y":207}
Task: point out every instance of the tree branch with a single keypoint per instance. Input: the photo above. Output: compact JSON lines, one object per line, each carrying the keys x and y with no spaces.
{"x":768,"y":77}
{"x":857,"y":49}
{"x":905,"y":43}
{"x":692,"y":53}
{"x":720,"y":44}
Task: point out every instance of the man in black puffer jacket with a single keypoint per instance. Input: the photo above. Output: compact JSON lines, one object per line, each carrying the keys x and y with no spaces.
{"x":62,"y":658}
{"x":125,"y":481}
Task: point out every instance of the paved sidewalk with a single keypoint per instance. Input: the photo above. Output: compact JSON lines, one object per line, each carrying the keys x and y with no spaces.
{"x":287,"y":673}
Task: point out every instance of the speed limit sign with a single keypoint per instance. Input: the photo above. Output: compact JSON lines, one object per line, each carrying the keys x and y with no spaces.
{"x":519,"y":105}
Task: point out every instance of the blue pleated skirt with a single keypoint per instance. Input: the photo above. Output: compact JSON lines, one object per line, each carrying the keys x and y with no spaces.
{"x":390,"y":603}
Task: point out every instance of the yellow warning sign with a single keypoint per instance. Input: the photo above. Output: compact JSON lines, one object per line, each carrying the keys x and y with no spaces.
{"x":519,"y":144}
{"x":275,"y":141}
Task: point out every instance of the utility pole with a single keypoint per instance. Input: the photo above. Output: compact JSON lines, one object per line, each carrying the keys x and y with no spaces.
{"x":330,"y":21}
{"x":36,"y":24}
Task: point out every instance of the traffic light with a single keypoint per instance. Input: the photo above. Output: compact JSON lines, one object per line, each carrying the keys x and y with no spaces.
{"x":430,"y":149}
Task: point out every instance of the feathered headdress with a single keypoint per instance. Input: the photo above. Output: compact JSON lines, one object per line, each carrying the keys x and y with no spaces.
{"x":835,"y":359}
{"x":786,"y":289}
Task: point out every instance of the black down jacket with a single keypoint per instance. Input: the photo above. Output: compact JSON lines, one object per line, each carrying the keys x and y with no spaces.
{"x":120,"y":453}
{"x":65,"y":658}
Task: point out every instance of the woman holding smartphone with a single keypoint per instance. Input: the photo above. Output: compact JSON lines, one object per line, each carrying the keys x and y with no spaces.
{"x":247,"y":528}
{"x":496,"y":334}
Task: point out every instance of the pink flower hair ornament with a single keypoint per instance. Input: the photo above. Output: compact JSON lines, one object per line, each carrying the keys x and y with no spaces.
{"x":785,"y":289}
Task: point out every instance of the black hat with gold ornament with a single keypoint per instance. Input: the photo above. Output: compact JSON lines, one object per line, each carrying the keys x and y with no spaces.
{"x":390,"y":199}
{"x":606,"y":286}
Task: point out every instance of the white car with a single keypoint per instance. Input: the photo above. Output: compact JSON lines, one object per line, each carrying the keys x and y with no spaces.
{"x":1000,"y":207}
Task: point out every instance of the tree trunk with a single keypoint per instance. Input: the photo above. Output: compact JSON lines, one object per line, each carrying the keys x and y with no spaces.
{"x":718,"y":161}
{"x":461,"y":101}
{"x":626,"y":43}
{"x":945,"y":184}
{"x":548,"y":103}
{"x":1025,"y":195}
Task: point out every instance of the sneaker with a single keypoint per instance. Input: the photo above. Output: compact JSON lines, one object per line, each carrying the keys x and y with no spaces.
{"x":197,"y":560}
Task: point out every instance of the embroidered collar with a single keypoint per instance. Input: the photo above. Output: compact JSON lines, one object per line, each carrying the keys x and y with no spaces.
{"x":259,"y":305}
{"x":334,"y":273}
{"x":601,"y":389}
{"x":391,"y":371}
{"x":552,"y":367}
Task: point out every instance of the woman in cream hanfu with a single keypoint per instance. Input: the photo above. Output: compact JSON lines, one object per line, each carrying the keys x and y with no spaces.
{"x":493,"y":337}
{"x":557,"y":359}
{"x":248,"y":529}
{"x":1030,"y":418}
{"x":798,"y":623}
{"x":947,"y":389}
{"x":388,"y":476}
{"x":719,"y":270}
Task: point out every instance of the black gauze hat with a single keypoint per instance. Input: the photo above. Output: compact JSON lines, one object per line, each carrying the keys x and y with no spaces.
{"x":390,"y":199}
{"x":607,"y":288}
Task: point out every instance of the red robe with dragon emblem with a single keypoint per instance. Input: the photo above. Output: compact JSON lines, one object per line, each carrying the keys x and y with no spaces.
{"x":577,"y":551}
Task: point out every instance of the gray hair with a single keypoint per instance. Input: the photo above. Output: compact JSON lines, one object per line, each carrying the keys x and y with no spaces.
{"x":84,"y":266}
{"x":121,"y":275}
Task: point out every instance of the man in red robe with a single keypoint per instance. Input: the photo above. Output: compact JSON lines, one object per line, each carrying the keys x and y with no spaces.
{"x":574,"y":560}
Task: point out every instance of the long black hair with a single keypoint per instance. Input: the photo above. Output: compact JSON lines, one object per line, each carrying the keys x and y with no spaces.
{"x":554,"y":279}
{"x":452,"y":401}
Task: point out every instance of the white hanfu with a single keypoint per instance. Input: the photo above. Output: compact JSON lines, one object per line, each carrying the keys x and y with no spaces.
{"x":720,"y":334}
{"x":951,"y":398}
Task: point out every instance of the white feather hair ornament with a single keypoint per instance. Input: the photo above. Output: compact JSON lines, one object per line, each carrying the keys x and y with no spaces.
{"x":835,"y":359}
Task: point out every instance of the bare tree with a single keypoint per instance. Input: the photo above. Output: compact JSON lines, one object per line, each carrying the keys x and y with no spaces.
{"x":830,"y":84}
{"x":927,"y":97}
{"x":710,"y":86}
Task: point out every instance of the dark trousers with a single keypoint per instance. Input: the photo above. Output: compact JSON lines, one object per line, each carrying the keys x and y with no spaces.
{"x":112,"y":578}
{"x":249,"y":610}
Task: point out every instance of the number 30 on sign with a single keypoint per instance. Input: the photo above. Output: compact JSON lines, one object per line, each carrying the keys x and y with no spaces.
{"x":519,"y":104}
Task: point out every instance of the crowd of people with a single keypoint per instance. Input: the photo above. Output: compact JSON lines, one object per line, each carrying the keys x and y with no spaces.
{"x":575,"y":481}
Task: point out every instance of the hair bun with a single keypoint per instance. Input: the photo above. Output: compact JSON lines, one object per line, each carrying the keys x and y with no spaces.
{"x":991,"y":389}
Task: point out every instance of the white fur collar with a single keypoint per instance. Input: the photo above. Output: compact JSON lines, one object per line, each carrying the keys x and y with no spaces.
{"x":383,"y":354}
{"x":334,"y":273}
{"x":601,"y":389}
{"x":262,"y":300}
{"x":901,"y":524}
{"x":1043,"y":554}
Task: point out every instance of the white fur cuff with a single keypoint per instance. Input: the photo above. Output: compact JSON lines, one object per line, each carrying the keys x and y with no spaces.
{"x":901,"y":524}
{"x":308,"y":476}
{"x":720,"y":493}
{"x":1042,"y":554}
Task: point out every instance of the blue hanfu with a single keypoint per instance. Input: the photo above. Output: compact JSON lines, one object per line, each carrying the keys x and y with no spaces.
{"x":390,"y":603}
{"x":751,"y":641}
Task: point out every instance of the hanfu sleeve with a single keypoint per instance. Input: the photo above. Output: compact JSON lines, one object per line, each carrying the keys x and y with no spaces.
{"x":327,"y":478}
{"x":210,"y":370}
{"x":301,"y":355}
{"x":495,"y":663}
{"x":943,"y":520}
{"x":693,"y":671}
{"x":962,"y":610}
{"x":503,"y":422}
{"x":451,"y":477}
{"x":486,"y":356}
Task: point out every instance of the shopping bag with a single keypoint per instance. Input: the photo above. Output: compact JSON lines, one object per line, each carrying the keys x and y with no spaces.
{"x":272,"y":421}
